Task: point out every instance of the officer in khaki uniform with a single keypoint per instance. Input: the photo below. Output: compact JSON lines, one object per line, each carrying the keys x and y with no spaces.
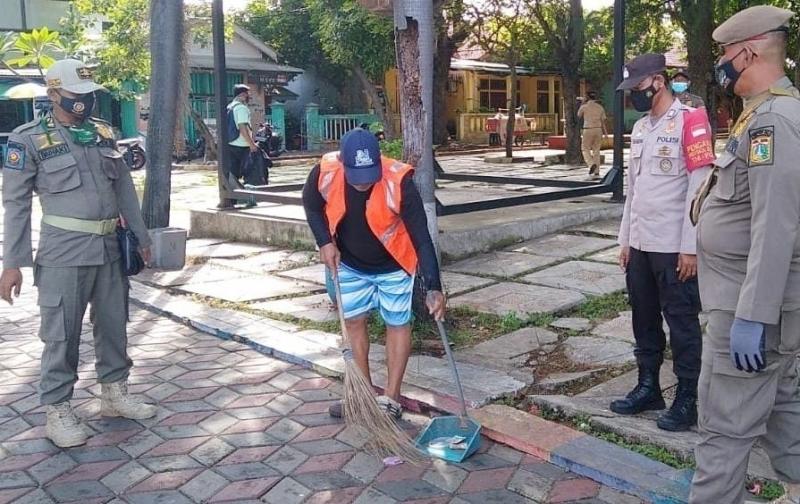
{"x":749,"y":268}
{"x":658,"y":241}
{"x":594,"y":127}
{"x":680,"y":86}
{"x":84,"y":185}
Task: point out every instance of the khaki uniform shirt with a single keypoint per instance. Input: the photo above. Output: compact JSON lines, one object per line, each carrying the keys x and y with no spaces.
{"x":660,"y":189}
{"x":691,"y":100}
{"x":593,"y":114}
{"x":749,"y":260}
{"x":89,"y":182}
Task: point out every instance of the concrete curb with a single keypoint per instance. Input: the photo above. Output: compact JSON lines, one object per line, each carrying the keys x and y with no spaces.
{"x":575,"y":451}
{"x":427,"y":384}
{"x":588,"y":456}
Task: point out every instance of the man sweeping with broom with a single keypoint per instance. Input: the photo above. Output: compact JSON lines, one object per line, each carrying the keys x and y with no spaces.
{"x":369,"y":223}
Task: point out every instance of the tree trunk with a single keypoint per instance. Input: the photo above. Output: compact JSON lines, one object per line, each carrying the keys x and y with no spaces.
{"x":512,"y":103}
{"x":797,"y":66}
{"x":384,"y":115}
{"x":416,"y":82}
{"x":571,"y":130}
{"x":441,"y":73}
{"x":697,"y":19}
{"x":166,"y":38}
{"x":183,"y":96}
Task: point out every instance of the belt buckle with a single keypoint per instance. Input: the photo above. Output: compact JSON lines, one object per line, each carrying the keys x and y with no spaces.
{"x":109,"y":226}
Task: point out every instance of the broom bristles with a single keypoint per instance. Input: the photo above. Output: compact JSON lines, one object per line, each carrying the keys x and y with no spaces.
{"x":362,"y":411}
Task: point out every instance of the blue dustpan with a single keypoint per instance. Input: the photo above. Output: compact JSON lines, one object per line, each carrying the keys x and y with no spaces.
{"x":433,"y":440}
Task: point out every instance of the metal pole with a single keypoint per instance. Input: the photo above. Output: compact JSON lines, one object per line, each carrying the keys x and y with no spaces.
{"x":24,"y":15}
{"x":220,"y":92}
{"x":619,"y":97}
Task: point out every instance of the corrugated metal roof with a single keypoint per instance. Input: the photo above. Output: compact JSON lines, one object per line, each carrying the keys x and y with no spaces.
{"x":483,"y":66}
{"x":242,"y":64}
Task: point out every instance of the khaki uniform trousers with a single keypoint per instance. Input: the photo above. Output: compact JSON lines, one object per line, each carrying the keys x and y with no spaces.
{"x":64,"y":293}
{"x":591,"y":142}
{"x":736,"y":409}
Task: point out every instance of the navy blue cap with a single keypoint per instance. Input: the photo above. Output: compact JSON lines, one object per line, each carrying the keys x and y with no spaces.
{"x":640,"y":68}
{"x":361,"y":156}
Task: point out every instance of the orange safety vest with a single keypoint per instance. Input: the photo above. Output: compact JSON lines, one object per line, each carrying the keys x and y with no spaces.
{"x":383,"y":207}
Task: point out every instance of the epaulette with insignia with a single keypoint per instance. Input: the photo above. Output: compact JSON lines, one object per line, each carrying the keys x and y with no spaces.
{"x":27,"y":126}
{"x":104,"y":130}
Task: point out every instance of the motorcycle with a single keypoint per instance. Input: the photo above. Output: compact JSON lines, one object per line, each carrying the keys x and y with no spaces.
{"x":133,"y":152}
{"x":268,"y":140}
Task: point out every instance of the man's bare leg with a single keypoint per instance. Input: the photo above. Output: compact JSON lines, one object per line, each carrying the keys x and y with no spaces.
{"x":359,"y":342}
{"x":398,"y":349}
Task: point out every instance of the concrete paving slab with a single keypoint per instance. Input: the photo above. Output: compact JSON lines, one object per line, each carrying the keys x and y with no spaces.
{"x":572,"y":324}
{"x":458,"y":283}
{"x":317,"y":308}
{"x":189,"y":274}
{"x":610,"y":256}
{"x":598,"y":351}
{"x":314,"y":273}
{"x":608,"y":227}
{"x":500,"y":264}
{"x":582,"y":276}
{"x":621,"y":385}
{"x":514,"y":344}
{"x":250,"y":288}
{"x":620,"y":328}
{"x":273,"y":260}
{"x":563,"y":246}
{"x":510,"y":297}
{"x":226,"y":249}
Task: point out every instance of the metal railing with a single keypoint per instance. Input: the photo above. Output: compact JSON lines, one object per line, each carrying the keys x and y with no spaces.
{"x":472,"y":126}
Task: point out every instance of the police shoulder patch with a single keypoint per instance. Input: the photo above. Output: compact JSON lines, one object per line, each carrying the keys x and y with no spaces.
{"x":762,"y":142}
{"x":15,"y":156}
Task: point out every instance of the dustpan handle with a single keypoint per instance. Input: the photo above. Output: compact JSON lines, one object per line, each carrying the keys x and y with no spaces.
{"x":446,"y":343}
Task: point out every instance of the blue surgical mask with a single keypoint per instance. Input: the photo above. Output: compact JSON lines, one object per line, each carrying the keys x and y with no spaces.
{"x":680,"y":87}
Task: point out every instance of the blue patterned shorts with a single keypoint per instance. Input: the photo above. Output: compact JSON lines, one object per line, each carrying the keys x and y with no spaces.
{"x":389,"y":293}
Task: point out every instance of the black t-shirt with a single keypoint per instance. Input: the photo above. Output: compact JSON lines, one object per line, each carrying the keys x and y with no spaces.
{"x":357,"y":243}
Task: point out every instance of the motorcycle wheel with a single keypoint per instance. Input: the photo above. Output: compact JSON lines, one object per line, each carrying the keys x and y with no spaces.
{"x":138,"y":160}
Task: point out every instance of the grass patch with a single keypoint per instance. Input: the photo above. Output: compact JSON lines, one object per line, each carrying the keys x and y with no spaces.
{"x":602,"y":307}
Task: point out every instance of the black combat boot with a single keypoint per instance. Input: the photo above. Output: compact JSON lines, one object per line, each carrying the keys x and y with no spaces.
{"x":645,"y":396}
{"x":683,"y":413}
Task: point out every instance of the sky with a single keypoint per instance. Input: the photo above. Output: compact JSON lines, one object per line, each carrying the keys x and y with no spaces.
{"x":240,"y":4}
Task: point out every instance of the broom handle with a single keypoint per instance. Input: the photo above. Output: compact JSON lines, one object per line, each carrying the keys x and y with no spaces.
{"x":452,"y":360}
{"x":340,"y":309}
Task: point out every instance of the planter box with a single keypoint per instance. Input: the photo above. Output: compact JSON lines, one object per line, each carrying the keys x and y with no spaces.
{"x":169,"y":248}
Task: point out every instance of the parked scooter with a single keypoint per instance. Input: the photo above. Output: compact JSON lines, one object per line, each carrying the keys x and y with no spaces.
{"x":269,"y":140}
{"x":133,"y":152}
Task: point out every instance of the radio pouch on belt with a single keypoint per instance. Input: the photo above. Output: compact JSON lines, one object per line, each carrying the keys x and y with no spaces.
{"x":132,"y":262}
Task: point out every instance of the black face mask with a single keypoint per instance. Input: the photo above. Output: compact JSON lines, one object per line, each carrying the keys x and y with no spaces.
{"x":642,"y":99}
{"x":726,"y":73}
{"x":80,"y":107}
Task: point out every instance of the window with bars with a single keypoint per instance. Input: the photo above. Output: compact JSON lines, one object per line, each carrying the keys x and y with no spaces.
{"x":202,"y":83}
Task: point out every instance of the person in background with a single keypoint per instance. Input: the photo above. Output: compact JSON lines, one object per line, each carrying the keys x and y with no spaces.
{"x":594,"y":127}
{"x":671,"y":150}
{"x":369,"y":223}
{"x":680,"y":86}
{"x":242,"y":146}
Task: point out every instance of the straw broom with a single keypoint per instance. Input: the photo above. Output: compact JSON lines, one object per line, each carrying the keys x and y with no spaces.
{"x":360,"y":408}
